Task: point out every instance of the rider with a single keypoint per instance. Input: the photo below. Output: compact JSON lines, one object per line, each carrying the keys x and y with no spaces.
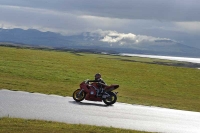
{"x":99,"y":80}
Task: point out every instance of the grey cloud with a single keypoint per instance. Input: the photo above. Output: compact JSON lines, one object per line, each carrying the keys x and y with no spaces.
{"x":130,"y":39}
{"x":41,"y":19}
{"x":52,"y":20}
{"x":166,"y":10}
{"x":152,"y":18}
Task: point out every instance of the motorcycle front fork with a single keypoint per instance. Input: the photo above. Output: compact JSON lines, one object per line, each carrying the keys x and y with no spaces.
{"x":80,"y":92}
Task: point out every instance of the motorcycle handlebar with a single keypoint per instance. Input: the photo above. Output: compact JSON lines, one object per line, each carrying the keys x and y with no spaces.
{"x":87,"y":81}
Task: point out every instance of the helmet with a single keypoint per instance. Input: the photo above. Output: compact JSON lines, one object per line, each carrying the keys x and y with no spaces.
{"x":97,"y":76}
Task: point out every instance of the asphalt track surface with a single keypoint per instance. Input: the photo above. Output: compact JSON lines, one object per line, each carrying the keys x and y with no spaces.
{"x":18,"y":104}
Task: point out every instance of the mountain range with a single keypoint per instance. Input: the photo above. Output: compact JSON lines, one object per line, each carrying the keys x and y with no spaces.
{"x":99,"y":41}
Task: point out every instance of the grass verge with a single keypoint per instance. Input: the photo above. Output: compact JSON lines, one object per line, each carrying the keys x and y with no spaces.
{"x":141,"y":81}
{"x":15,"y":125}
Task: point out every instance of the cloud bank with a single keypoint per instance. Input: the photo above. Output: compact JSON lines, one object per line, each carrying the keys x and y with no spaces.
{"x":130,"y":39}
{"x":160,"y":21}
{"x":169,"y":10}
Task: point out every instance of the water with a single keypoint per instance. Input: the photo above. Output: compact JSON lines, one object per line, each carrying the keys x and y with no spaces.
{"x":185,"y":59}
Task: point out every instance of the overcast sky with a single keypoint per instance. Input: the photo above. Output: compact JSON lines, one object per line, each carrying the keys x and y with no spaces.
{"x":177,"y":20}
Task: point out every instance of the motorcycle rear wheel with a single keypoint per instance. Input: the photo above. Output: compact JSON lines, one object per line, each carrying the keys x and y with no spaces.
{"x":78,"y":97}
{"x":111,"y":99}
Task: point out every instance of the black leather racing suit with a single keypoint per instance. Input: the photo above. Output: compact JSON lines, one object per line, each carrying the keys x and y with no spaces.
{"x":101,"y":84}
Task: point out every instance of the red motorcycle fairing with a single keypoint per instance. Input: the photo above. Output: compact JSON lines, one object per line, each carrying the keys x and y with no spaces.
{"x":92,"y":92}
{"x":89,"y":92}
{"x":111,"y":88}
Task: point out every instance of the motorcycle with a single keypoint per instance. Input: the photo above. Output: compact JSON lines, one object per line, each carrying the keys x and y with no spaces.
{"x":91,"y":92}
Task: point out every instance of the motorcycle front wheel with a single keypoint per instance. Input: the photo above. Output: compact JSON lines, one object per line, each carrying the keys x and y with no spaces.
{"x":111,"y":99}
{"x":78,"y":95}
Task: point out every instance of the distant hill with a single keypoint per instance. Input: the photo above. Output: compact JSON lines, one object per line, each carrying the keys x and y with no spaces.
{"x":96,"y":42}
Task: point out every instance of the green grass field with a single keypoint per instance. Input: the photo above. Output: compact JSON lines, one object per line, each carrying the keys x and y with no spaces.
{"x":14,"y":125}
{"x":54,"y":72}
{"x":141,"y":81}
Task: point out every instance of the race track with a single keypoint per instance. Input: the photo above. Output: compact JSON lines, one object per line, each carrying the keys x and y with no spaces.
{"x":64,"y":109}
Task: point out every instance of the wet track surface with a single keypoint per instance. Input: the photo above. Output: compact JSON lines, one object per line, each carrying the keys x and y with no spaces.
{"x":64,"y":109}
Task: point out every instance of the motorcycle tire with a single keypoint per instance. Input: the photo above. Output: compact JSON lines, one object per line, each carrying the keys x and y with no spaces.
{"x":78,"y":97}
{"x":111,"y":99}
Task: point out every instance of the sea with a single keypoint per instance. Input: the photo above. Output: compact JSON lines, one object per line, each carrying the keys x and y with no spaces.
{"x":185,"y":59}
